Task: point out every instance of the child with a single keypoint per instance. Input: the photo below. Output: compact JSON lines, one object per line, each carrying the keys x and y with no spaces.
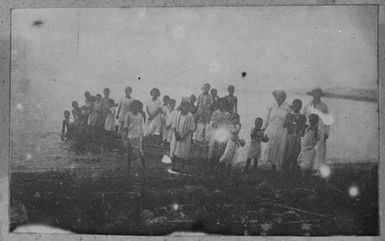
{"x":257,"y":136}
{"x":154,"y":110}
{"x":295,"y":125}
{"x":205,"y":102}
{"x":170,"y":118}
{"x":232,"y":99}
{"x":109,"y":125}
{"x":193,"y":107}
{"x":106,"y":103}
{"x":133,"y":133}
{"x":182,"y":128}
{"x":219,"y":122}
{"x":232,"y":144}
{"x":98,"y":108}
{"x":201,"y":139}
{"x":66,"y":125}
{"x":91,"y":122}
{"x":165,"y":112}
{"x":310,"y":139}
{"x":87,"y":97}
{"x":214,"y":94}
{"x":124,"y":107}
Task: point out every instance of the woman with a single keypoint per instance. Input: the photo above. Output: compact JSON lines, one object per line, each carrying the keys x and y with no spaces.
{"x":182,"y":127}
{"x":154,"y":111}
{"x":276,"y":115}
{"x":124,"y":107}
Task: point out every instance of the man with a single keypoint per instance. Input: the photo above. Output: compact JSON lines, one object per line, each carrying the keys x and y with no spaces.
{"x":205,"y":102}
{"x":316,"y":105}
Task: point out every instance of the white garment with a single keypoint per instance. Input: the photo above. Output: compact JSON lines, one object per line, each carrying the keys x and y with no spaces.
{"x":134,"y":136}
{"x":323,"y":130}
{"x":277,"y":135}
{"x":124,"y":107}
{"x":109,"y":124}
{"x":170,"y":118}
{"x":183,"y":125}
{"x":153,"y":126}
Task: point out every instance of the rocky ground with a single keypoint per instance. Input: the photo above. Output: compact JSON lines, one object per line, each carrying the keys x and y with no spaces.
{"x":157,"y":202}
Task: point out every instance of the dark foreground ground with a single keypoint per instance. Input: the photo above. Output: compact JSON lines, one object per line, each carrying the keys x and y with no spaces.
{"x":157,"y":202}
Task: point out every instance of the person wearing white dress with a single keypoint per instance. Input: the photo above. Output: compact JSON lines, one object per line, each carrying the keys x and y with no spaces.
{"x":133,"y":133}
{"x":276,"y":115}
{"x":170,"y":117}
{"x":124,"y":107}
{"x":154,"y":110}
{"x":183,"y":126}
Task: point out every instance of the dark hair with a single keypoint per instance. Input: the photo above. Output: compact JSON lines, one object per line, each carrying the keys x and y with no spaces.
{"x":67,"y":112}
{"x":193,"y":97}
{"x":106,"y":89}
{"x":166,"y":98}
{"x":75,"y":103}
{"x":128,"y":88}
{"x":111,"y":102}
{"x":213,"y":90}
{"x":231,"y":86}
{"x":157,"y":91}
{"x":137,"y":106}
{"x":99,"y":95}
{"x":258,"y":119}
{"x":172,"y":101}
{"x":313,"y":119}
{"x":87,"y":93}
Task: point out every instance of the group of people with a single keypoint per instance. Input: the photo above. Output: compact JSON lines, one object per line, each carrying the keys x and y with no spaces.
{"x":209,"y":123}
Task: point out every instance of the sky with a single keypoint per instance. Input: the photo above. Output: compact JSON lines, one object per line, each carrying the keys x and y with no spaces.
{"x":58,"y":54}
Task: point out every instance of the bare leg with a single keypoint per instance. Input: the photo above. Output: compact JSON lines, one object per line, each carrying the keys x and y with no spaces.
{"x":247,"y":164}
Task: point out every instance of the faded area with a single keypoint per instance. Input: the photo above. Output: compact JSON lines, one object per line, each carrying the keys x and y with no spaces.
{"x":57,"y":54}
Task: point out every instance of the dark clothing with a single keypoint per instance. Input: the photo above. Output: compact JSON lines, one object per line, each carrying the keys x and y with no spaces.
{"x":295,"y":125}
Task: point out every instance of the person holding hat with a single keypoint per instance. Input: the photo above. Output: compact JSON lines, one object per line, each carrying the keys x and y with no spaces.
{"x":317,"y":105}
{"x":182,"y":128}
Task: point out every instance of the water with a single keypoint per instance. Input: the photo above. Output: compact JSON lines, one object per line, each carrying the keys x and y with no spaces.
{"x":353,"y":138}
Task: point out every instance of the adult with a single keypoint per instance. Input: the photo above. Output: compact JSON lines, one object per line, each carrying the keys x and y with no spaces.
{"x":276,"y":115}
{"x":316,"y":106}
{"x":205,"y":102}
{"x":124,"y":107}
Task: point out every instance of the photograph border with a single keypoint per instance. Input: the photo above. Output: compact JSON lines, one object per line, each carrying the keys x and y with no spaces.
{"x":6,"y":7}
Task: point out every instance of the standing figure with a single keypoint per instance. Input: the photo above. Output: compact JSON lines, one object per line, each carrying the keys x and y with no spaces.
{"x":66,"y":125}
{"x":109,"y":125}
{"x":218,"y":131}
{"x":164,"y":114}
{"x":310,"y":140}
{"x":276,"y":115}
{"x":311,"y":108}
{"x":232,"y":99}
{"x":205,"y":102}
{"x":182,"y":128}
{"x":124,"y":107}
{"x":98,"y":107}
{"x":193,"y":107}
{"x":170,"y":117}
{"x":232,"y":145}
{"x":295,"y":124}
{"x":214,"y":94}
{"x":106,"y":103}
{"x":133,"y":133}
{"x":154,"y":110}
{"x":257,"y":136}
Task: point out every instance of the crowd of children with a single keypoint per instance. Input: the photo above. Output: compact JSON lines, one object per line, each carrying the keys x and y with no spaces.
{"x":212,"y":125}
